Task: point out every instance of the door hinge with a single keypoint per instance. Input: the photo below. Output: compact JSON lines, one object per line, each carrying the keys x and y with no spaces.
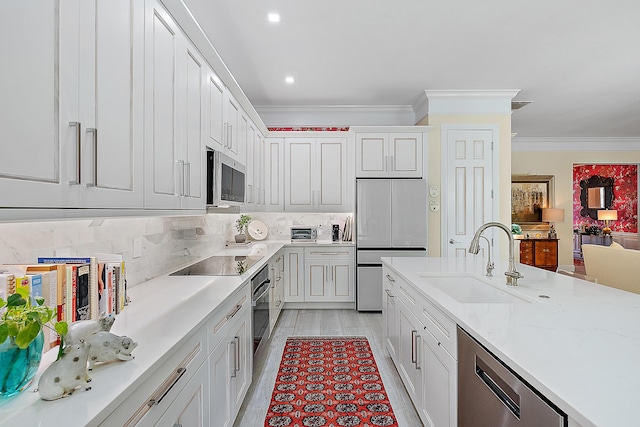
{"x":492,"y":194}
{"x":492,"y":145}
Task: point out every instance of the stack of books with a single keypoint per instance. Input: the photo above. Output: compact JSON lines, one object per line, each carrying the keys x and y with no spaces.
{"x":80,"y":288}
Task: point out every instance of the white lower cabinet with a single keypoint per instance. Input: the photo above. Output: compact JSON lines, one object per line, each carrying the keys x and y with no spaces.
{"x":294,"y":274}
{"x":426,"y":361}
{"x":190,"y":407}
{"x":329,"y":275}
{"x":276,"y":292}
{"x":230,"y":361}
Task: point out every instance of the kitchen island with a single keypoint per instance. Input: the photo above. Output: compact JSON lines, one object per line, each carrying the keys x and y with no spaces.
{"x":575,"y":342}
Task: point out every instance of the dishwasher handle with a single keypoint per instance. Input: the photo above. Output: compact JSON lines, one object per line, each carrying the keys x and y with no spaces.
{"x":485,"y":373}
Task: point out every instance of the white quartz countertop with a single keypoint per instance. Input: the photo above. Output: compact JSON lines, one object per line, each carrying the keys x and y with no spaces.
{"x":580,"y":347}
{"x":163,"y":312}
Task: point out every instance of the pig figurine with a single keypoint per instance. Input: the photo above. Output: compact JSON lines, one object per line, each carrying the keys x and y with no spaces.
{"x":107,"y":347}
{"x":80,"y":330}
{"x":62,"y":377}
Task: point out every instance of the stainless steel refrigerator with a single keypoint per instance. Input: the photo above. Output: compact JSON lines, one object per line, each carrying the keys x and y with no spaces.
{"x":391,"y":220}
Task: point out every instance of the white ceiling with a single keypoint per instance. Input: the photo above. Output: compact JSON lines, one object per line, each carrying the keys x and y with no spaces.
{"x":578,"y":61}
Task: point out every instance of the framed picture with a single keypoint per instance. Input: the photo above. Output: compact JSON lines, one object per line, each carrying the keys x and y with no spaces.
{"x":529,"y":194}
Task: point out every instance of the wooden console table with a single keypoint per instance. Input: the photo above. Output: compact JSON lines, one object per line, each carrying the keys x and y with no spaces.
{"x":541,"y":253}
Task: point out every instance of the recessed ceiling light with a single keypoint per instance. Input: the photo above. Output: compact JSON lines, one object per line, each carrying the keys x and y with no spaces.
{"x":273,"y":17}
{"x":289,"y":79}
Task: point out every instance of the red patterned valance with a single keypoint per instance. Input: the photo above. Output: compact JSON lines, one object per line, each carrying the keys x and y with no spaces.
{"x":309,"y":129}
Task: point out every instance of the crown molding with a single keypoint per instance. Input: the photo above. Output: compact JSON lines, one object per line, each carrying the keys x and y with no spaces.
{"x":469,"y":101}
{"x":532,"y":143}
{"x":336,"y":115}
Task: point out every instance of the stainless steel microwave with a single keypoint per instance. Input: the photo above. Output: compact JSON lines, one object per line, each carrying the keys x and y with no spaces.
{"x":300,"y":234}
{"x":225,"y":180}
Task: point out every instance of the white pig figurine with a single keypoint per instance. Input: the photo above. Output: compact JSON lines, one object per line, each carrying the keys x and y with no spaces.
{"x":108,"y":347}
{"x":63,"y":376}
{"x":81,"y":330}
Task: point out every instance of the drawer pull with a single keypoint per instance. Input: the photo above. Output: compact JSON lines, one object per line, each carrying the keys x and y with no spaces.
{"x":391,"y":279}
{"x":389,"y":293}
{"x":171,"y":381}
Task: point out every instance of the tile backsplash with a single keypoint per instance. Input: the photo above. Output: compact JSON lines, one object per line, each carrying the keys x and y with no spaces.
{"x":168,"y":243}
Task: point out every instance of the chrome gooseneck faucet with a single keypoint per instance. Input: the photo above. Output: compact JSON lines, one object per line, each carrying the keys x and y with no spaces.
{"x":474,"y":248}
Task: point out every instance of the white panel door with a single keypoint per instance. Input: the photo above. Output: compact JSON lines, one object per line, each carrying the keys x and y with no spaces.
{"x":405,"y":151}
{"x":111,"y":103}
{"x":274,"y":171}
{"x":373,"y":213}
{"x":241,"y":364}
{"x":191,"y":119}
{"x":318,"y":274}
{"x":191,"y":406}
{"x":161,"y":128}
{"x":215,"y":111}
{"x":468,"y":196}
{"x":39,"y":87}
{"x":371,"y":155}
{"x":438,"y":405}
{"x":408,"y":213}
{"x":220,"y":371}
{"x":294,"y":274}
{"x":410,"y":330}
{"x":300,"y":194}
{"x":342,"y":282}
{"x":331,"y":183}
{"x":232,"y":132}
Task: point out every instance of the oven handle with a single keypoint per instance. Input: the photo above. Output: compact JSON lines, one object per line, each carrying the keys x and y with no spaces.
{"x":266,"y":286}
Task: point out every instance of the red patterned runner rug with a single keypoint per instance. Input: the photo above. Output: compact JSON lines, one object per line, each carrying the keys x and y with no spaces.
{"x":329,"y":381}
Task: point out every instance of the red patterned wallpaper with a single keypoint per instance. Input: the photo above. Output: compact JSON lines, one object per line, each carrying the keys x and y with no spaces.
{"x":625,"y":195}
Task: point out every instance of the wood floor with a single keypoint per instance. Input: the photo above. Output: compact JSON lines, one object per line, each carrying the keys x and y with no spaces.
{"x":326,"y":323}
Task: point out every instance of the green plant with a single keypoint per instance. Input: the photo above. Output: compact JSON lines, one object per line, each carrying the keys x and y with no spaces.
{"x":22,"y":322}
{"x":242,"y":223}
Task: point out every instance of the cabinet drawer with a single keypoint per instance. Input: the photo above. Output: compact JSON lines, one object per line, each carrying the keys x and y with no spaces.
{"x":147,"y":403}
{"x":332,"y":253}
{"x":221,"y":321}
{"x":408,"y":295}
{"x":440,"y":326}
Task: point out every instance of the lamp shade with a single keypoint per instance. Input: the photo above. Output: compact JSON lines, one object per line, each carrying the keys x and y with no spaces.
{"x":603,"y":215}
{"x":552,"y":215}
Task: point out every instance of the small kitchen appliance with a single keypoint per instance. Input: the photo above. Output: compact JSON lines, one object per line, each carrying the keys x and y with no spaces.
{"x":335,"y":233}
{"x":304,"y":234}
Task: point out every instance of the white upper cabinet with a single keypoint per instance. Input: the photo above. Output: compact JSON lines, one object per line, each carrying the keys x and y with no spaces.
{"x":273,"y":174}
{"x":315,"y":177}
{"x":175,"y":96}
{"x":389,"y":155}
{"x":215,"y":124}
{"x":72,"y":104}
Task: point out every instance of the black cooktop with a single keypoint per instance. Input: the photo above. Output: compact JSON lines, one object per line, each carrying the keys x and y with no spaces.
{"x":220,"y":266}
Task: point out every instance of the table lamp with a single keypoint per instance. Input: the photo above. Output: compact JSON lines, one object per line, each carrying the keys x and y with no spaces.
{"x":606,"y":216}
{"x":552,"y":215}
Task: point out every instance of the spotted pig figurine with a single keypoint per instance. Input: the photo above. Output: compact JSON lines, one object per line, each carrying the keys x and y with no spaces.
{"x":81,"y":330}
{"x":107,"y":347}
{"x":63,"y":376}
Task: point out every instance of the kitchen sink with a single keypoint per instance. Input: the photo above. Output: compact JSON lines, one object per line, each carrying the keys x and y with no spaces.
{"x":469,"y":289}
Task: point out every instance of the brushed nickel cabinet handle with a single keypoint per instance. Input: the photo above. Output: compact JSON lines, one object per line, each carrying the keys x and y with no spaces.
{"x":78,"y":127}
{"x":171,"y":381}
{"x":94,"y":131}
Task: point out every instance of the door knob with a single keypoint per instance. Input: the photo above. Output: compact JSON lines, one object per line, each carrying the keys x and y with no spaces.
{"x":453,"y":242}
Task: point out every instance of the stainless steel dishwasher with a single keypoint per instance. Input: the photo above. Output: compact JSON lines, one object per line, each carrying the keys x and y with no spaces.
{"x":491,"y":395}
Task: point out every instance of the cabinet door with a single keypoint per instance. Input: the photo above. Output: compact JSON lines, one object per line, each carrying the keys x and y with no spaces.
{"x":220,"y":371}
{"x":233,"y":111}
{"x":390,"y":319}
{"x":342,"y":281}
{"x":331,"y":174}
{"x":317,"y":280}
{"x":192,"y":96}
{"x":372,"y":155}
{"x":294,"y":275}
{"x":250,"y":166}
{"x":215,"y":111}
{"x":111,"y":103}
{"x":410,"y":331}
{"x":258,"y":170}
{"x":274,"y":179}
{"x":299,"y":158}
{"x":162,"y":140}
{"x":191,"y":406}
{"x":39,"y":108}
{"x":405,"y":152}
{"x":438,"y":404}
{"x":241,"y":363}
{"x":546,"y":254}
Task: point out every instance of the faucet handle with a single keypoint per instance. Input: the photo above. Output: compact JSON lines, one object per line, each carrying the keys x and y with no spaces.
{"x":512,"y":277}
